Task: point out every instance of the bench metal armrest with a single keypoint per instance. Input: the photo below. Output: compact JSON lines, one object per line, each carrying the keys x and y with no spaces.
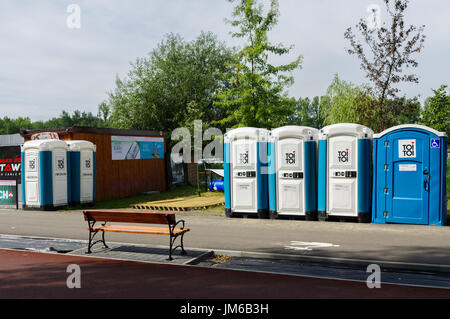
{"x":180,"y":221}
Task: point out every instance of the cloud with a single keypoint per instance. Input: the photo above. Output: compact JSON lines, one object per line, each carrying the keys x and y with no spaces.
{"x":45,"y":67}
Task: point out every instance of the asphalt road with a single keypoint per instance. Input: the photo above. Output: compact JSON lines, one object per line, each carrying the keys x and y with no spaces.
{"x":399,"y":243}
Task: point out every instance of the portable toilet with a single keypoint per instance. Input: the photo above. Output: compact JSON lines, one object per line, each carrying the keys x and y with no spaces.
{"x":82,"y":172}
{"x":293,"y":172}
{"x":344,"y":171}
{"x":44,"y":174}
{"x":245,"y":172}
{"x":409,"y":182}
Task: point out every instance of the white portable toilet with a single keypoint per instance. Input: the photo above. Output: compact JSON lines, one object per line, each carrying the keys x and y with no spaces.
{"x":344,"y":171}
{"x":82,"y":172}
{"x":293,"y":172}
{"x":245,"y":172}
{"x":44,"y":174}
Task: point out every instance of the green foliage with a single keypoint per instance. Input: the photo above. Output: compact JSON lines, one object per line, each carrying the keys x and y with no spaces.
{"x":13,"y":126}
{"x":307,"y":112}
{"x":436,"y":113}
{"x":349,"y":103}
{"x":257,"y":97}
{"x":78,"y":118}
{"x":171,"y":87}
{"x":387,"y":55}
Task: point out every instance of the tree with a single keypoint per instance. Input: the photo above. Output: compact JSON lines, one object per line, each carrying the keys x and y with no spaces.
{"x":348,"y":103}
{"x":13,"y":126}
{"x":257,"y":97}
{"x":172,"y":86}
{"x":436,"y":113}
{"x":309,"y":112}
{"x":388,"y":50}
{"x":104,"y":112}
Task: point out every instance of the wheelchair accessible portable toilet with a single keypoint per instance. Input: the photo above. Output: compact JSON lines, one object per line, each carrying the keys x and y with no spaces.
{"x":245,"y":172}
{"x":344,"y":171}
{"x":82,"y":172}
{"x":409,"y":184}
{"x":44,"y":174}
{"x":292,"y":172}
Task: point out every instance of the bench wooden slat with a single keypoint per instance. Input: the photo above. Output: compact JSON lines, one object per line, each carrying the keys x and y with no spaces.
{"x":129,"y":217}
{"x":139,"y":229}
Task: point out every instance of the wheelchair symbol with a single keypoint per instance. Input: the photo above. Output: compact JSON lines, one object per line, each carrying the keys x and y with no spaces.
{"x":435,"y":143}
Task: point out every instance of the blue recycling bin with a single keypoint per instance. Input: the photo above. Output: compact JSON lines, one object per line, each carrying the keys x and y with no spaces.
{"x":409,"y":178}
{"x":216,"y":185}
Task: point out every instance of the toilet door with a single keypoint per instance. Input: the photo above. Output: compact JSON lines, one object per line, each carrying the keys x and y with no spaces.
{"x":342,"y":179}
{"x":407,"y":177}
{"x":290,"y":177}
{"x":243,"y":157}
{"x":59,"y":158}
{"x":32,"y":191}
{"x":87,"y":176}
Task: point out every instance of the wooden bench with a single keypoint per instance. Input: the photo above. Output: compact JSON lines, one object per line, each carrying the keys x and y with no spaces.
{"x":105,"y":216}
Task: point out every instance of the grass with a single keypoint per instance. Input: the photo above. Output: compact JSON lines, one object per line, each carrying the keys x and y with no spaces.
{"x":120,"y":203}
{"x":182,"y":191}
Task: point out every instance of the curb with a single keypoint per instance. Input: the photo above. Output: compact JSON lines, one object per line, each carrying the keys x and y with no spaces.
{"x":196,"y":260}
{"x":436,"y":268}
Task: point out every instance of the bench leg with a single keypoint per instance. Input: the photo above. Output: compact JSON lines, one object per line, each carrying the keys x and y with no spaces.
{"x":183,"y":252}
{"x":172,"y":239}
{"x":103,"y":240}
{"x":171,"y":248}
{"x":92,"y":242}
{"x":91,"y":237}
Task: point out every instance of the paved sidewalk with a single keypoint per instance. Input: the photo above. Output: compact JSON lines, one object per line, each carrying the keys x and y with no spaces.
{"x":393,"y":243}
{"x":141,"y":253}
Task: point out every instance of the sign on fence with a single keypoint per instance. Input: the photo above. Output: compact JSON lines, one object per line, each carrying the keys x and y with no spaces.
{"x":8,"y":193}
{"x":10,"y":163}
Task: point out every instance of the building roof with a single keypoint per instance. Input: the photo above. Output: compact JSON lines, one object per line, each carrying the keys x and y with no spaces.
{"x":11,"y":140}
{"x":410,"y":126}
{"x":93,"y":130}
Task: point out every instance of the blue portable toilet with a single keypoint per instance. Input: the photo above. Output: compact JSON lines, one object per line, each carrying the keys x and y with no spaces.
{"x":82,"y":172}
{"x":45,"y":174}
{"x":344,"y":172}
{"x":409,"y":180}
{"x":293,"y":172}
{"x":245,"y":172}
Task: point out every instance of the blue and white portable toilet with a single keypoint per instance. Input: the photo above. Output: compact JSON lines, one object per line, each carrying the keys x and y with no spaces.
{"x":344,"y":171}
{"x":44,"y":174}
{"x":293,"y":172}
{"x":409,"y":182}
{"x":82,"y":172}
{"x":245,"y":172}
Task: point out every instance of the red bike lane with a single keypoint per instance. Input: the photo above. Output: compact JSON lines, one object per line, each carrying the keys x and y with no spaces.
{"x":25,"y":274}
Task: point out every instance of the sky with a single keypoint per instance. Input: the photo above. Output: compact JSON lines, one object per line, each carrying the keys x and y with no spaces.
{"x":47,"y":65}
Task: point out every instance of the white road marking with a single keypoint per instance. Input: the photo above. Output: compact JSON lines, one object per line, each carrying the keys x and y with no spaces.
{"x":303,"y":245}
